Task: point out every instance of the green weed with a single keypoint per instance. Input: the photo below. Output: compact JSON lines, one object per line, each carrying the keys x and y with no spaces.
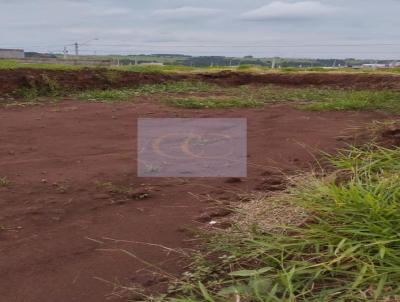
{"x":176,"y":87}
{"x":26,"y":93}
{"x":106,"y":95}
{"x":214,"y":102}
{"x":37,"y":87}
{"x":347,"y":250}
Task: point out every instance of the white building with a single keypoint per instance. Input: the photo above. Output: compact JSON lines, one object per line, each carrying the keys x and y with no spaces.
{"x":373,"y":65}
{"x":152,"y":63}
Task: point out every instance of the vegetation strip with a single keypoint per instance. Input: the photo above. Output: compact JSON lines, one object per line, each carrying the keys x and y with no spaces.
{"x":310,"y":98}
{"x":177,"y":65}
{"x":348,"y":248}
{"x":168,"y":87}
{"x":335,"y":99}
{"x":213,"y":102}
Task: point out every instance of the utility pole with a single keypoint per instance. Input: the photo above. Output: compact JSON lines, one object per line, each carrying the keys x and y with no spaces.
{"x":273,"y":64}
{"x":76,"y":45}
{"x":65,"y":51}
{"x":76,"y":48}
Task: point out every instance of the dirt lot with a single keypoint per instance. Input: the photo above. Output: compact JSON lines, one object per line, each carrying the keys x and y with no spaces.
{"x":66,"y":239}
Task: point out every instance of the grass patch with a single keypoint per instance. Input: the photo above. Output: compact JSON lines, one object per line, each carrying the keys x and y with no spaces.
{"x":214,"y":102}
{"x":173,"y":67}
{"x":348,"y":249}
{"x":154,"y":68}
{"x":126,"y":93}
{"x":12,"y":64}
{"x":176,"y":87}
{"x":358,"y":100}
{"x":106,"y":95}
{"x":334,"y":99}
{"x":48,"y":87}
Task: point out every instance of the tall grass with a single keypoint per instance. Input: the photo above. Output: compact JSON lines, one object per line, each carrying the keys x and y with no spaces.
{"x":348,"y":250}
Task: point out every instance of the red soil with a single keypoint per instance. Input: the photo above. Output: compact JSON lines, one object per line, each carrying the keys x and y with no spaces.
{"x":54,"y":245}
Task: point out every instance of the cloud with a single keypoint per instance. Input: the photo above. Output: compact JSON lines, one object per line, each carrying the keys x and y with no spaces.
{"x":185,"y":12}
{"x":280,"y":10}
{"x":112,"y":11}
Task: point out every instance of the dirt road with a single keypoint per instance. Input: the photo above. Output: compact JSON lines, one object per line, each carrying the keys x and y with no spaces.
{"x":61,"y":231}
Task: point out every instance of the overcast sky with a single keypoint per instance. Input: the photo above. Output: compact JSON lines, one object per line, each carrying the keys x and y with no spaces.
{"x":292,"y":28}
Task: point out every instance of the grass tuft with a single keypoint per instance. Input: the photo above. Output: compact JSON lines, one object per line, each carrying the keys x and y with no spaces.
{"x":348,"y":249}
{"x":4,"y":182}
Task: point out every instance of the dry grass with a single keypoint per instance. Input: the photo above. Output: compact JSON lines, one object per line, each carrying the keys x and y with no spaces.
{"x":4,"y":182}
{"x":268,"y":214}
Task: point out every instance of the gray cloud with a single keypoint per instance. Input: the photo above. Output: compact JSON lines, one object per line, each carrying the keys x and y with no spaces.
{"x":185,"y":12}
{"x":107,"y":11}
{"x":206,"y":27}
{"x":279,"y":10}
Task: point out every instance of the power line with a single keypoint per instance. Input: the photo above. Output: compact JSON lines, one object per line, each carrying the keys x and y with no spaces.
{"x":226,"y":44}
{"x":249,"y":45}
{"x":211,"y":51}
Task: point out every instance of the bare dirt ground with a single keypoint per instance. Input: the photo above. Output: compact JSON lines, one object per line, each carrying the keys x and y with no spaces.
{"x":63,"y":234}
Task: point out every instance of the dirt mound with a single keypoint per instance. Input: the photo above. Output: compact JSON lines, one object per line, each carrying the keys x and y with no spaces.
{"x":391,"y":137}
{"x":386,"y":134}
{"x":342,"y":80}
{"x":14,"y":79}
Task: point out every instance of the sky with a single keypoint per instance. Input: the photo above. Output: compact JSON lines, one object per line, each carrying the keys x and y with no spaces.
{"x":262,"y":28}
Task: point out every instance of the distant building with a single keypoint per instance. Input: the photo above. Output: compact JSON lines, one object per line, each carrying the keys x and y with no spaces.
{"x":12,"y":53}
{"x":374,"y":65}
{"x":152,"y":63}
